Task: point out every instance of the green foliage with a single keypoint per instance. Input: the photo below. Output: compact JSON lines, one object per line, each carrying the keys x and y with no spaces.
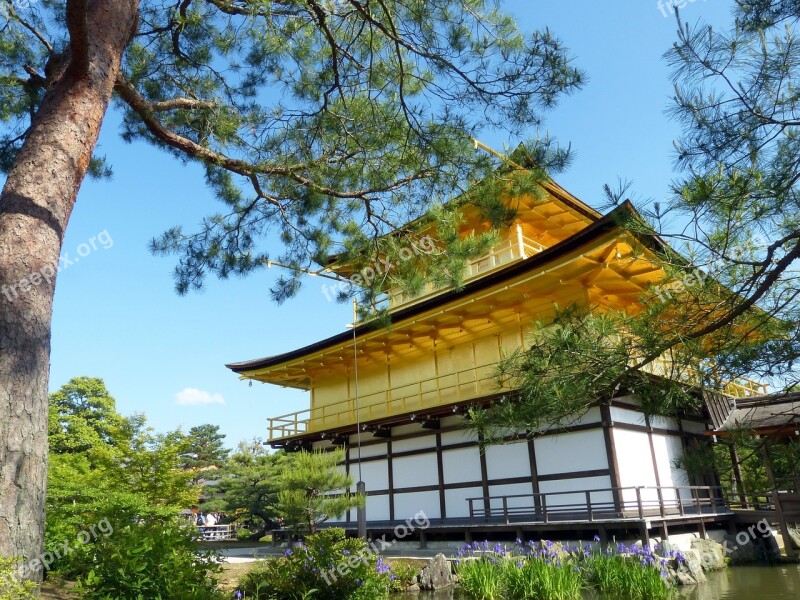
{"x":405,"y":574}
{"x":626,"y":577}
{"x":150,"y":559}
{"x":573,"y":363}
{"x":11,"y":588}
{"x":482,"y":579}
{"x":323,"y":124}
{"x":735,"y":97}
{"x":247,"y":486}
{"x":126,"y":473}
{"x":243,"y":534}
{"x":84,"y":419}
{"x":313,"y":488}
{"x":204,"y":448}
{"x":548,"y":571}
{"x":784,"y":455}
{"x":328,"y":566}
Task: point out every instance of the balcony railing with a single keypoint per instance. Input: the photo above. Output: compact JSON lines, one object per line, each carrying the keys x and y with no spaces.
{"x":618,"y":503}
{"x":418,"y":396}
{"x":470,"y":383}
{"x":741,"y":387}
{"x":515,"y":247}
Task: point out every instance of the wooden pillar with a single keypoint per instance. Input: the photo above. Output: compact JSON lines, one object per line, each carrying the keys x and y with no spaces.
{"x":737,"y":473}
{"x":776,"y":498}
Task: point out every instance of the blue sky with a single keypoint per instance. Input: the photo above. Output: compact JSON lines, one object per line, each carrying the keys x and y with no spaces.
{"x":116,"y":313}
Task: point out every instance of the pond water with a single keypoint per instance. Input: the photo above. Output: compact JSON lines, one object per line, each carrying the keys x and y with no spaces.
{"x":737,"y":583}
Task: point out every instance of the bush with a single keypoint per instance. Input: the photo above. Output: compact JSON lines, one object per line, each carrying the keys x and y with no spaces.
{"x":155,"y":559}
{"x":243,"y":534}
{"x":329,"y":566}
{"x":405,"y":574}
{"x":10,"y":587}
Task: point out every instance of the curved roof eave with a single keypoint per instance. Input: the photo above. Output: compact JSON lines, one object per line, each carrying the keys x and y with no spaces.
{"x":607,"y":223}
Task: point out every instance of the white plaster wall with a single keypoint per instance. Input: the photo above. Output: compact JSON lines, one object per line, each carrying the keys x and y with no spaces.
{"x":461,"y":465}
{"x":375,"y":474}
{"x":578,"y":485}
{"x":625,"y":415}
{"x":570,"y":452}
{"x":413,"y":471}
{"x":508,"y":460}
{"x":457,"y":437}
{"x":635,"y":467}
{"x":367,"y":451}
{"x":377,"y":508}
{"x":418,"y":443}
{"x":591,"y":416}
{"x":456,"y":501}
{"x":408,"y":505}
{"x":524,"y":490}
{"x":660,"y":422}
{"x":668,"y":449}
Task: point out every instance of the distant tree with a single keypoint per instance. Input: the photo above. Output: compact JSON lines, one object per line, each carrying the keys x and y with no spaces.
{"x":83,"y":416}
{"x":204,"y":448}
{"x":247,"y":486}
{"x":313,"y":488}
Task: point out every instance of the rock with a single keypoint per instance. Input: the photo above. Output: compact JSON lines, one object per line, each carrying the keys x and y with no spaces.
{"x":712,"y":555}
{"x":412,"y":589}
{"x":437,"y":574}
{"x":690,"y":572}
{"x":739,"y":554}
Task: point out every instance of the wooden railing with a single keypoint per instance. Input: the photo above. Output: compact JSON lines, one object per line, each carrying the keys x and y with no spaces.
{"x":420,"y":395}
{"x":617,"y":503}
{"x":217,"y":533}
{"x":515,"y":247}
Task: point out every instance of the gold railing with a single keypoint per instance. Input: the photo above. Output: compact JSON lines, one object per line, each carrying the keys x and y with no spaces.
{"x":418,"y":396}
{"x":515,"y":247}
{"x":423,"y":395}
{"x":741,"y":387}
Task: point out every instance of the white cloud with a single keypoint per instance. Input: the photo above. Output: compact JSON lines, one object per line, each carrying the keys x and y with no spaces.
{"x":194,"y":397}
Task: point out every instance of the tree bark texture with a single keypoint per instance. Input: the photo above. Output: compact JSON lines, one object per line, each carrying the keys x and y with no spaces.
{"x":35,"y":207}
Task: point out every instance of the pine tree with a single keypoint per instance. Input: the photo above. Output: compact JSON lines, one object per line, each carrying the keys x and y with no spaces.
{"x":322,"y":124}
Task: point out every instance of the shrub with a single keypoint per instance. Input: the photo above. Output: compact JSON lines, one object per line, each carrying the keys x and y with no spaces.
{"x":328,"y":566}
{"x":10,"y":587}
{"x":405,"y":574}
{"x":154,"y":559}
{"x":243,"y":534}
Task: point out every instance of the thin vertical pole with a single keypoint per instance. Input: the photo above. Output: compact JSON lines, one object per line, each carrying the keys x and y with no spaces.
{"x":361,"y":487}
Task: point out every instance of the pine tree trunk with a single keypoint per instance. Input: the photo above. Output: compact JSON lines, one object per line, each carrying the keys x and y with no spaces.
{"x":35,"y":206}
